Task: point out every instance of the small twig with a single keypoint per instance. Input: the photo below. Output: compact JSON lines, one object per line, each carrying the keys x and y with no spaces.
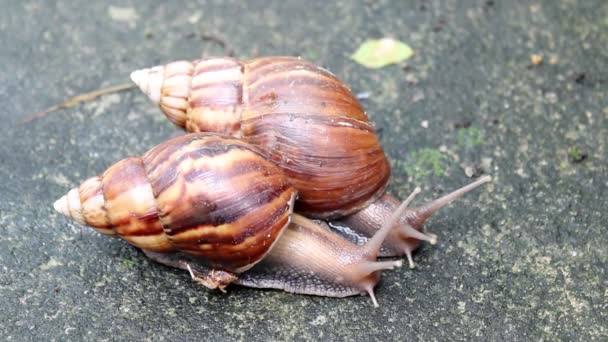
{"x":228,"y":50}
{"x":76,"y":100}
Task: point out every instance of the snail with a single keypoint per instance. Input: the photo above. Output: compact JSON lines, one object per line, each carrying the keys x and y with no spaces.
{"x":306,"y":121}
{"x":214,"y":206}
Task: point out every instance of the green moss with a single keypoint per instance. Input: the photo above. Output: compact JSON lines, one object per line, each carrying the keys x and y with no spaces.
{"x":469,"y":137}
{"x":575,"y":155}
{"x":127,"y":264}
{"x":423,"y":163}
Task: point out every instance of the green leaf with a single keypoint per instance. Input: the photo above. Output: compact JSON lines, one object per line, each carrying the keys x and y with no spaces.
{"x":377,"y":53}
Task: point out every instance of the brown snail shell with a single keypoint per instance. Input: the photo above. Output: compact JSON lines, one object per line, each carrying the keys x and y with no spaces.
{"x":212,"y":197}
{"x":299,"y":115}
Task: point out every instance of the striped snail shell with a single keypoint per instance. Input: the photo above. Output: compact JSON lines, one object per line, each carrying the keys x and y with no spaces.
{"x":205,"y":195}
{"x":299,"y":115}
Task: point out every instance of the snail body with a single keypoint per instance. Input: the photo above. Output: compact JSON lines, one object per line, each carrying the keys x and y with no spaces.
{"x":216,"y":207}
{"x":307,"y":122}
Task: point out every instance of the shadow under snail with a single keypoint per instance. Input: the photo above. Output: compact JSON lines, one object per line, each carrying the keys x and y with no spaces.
{"x":306,"y":121}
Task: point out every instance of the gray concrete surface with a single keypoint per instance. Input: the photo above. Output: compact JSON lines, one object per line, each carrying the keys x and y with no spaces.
{"x":522,"y":260}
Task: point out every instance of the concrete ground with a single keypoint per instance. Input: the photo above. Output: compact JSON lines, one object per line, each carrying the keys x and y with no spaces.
{"x":523,"y":259}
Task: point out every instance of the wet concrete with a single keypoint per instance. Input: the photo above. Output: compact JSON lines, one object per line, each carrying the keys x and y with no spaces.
{"x":522,"y":259}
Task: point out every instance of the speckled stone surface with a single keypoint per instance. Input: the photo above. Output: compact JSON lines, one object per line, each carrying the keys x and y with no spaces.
{"x":522,"y":259}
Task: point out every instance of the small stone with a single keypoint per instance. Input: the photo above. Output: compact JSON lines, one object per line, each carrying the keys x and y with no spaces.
{"x":123,"y":14}
{"x":551,"y":97}
{"x":195,"y":17}
{"x":473,"y":171}
{"x":320,"y":320}
{"x":553,"y":59}
{"x":411,"y":78}
{"x":486,"y":164}
{"x":364,"y":95}
{"x":536,"y":59}
{"x":418,"y":96}
{"x":469,"y":171}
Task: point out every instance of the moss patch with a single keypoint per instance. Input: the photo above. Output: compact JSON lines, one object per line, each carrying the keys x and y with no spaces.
{"x":576,"y":155}
{"x":469,"y":137}
{"x":127,"y":264}
{"x":423,"y":163}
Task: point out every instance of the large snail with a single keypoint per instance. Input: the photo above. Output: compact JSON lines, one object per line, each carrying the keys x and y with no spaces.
{"x":308,"y":123}
{"x":216,"y":207}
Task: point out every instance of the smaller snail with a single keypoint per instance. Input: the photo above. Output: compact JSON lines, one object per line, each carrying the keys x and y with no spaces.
{"x":214,"y":206}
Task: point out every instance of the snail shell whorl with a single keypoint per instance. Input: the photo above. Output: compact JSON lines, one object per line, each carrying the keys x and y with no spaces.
{"x":205,"y":195}
{"x":85,"y":205}
{"x":300,"y":115}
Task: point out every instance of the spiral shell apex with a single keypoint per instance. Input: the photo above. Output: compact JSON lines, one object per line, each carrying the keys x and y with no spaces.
{"x":212,"y":197}
{"x":299,"y":115}
{"x":149,"y":81}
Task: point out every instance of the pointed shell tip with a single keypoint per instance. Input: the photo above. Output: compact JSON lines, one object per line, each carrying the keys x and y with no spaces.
{"x":60,"y":205}
{"x":149,"y":81}
{"x":139,"y":78}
